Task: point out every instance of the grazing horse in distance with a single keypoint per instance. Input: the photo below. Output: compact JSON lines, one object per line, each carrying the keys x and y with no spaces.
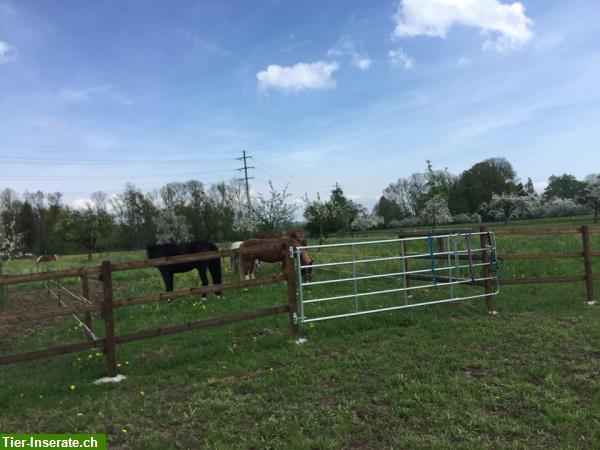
{"x":47,"y":258}
{"x":168,"y":271}
{"x":271,"y":255}
{"x":44,"y":259}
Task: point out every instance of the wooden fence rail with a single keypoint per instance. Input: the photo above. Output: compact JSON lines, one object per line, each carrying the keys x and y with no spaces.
{"x":586,"y":254}
{"x":103,"y":274}
{"x":107,"y":306}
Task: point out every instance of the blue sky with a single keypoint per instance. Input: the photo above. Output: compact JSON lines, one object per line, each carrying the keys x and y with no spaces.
{"x":318,"y":92}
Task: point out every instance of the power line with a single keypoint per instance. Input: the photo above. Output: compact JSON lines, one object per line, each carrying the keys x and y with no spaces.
{"x":118,"y":150}
{"x":64,"y":178}
{"x":98,"y":162}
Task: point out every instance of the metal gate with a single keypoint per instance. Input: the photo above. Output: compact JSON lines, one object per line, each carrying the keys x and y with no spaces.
{"x":350,"y":279}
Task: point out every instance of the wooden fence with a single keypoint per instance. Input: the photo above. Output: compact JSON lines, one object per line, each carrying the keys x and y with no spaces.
{"x":103,"y":274}
{"x":586,"y":254}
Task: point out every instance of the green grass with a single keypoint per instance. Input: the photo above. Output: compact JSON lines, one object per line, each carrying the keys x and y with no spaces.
{"x":430,"y":377}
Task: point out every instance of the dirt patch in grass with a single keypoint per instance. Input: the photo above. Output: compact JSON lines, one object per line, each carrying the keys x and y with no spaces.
{"x":473,"y":371}
{"x":19,"y":303}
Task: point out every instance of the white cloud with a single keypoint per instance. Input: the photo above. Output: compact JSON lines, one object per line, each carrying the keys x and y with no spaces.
{"x":505,"y":27}
{"x":345,"y":46}
{"x":7,"y":52}
{"x":299,"y":77}
{"x":399,"y":58}
{"x":82,"y":203}
{"x":463,"y":62}
{"x":92,"y":93}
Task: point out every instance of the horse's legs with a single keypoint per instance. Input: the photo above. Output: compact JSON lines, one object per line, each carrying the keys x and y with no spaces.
{"x":167,"y":277}
{"x":246,"y":263}
{"x":203,"y":277}
{"x":214,"y":265}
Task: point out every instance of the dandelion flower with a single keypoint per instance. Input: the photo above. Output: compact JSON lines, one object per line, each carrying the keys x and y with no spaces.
{"x":79,"y":414}
{"x":142,"y":393}
{"x":124,"y":430}
{"x":72,"y":387}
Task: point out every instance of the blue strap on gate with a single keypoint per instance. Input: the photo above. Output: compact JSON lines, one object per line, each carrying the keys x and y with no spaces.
{"x":430,"y":242}
{"x":470,"y":256}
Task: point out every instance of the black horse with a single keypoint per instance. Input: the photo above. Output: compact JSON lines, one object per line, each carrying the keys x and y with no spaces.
{"x":168,"y":271}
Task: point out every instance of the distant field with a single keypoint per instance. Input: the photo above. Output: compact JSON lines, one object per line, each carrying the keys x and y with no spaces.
{"x":421,"y":378}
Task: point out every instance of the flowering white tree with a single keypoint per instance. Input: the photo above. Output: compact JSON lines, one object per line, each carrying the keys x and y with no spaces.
{"x":266,"y":213}
{"x":509,"y":206}
{"x":324,"y":214}
{"x":366,"y":222}
{"x":436,"y":211}
{"x":559,"y":207}
{"x":10,"y":247}
{"x":590,"y":195}
{"x":172,"y":229}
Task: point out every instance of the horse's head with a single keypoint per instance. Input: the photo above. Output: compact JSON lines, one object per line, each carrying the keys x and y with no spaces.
{"x":305,"y":260}
{"x":298,"y":236}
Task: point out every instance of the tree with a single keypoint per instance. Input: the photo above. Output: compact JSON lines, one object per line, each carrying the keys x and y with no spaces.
{"x":477,"y":184}
{"x":172,"y":229}
{"x":438,"y":182}
{"x":321,"y":217}
{"x":10,"y":247}
{"x":136,"y":214}
{"x":527,"y":188}
{"x":410,"y":194}
{"x":508,"y":206}
{"x":436,"y":211}
{"x":336,"y":214}
{"x":366,"y":222}
{"x":267,"y":214}
{"x":563,"y":186}
{"x":590,"y":194}
{"x":389,"y":210}
{"x":88,"y":228}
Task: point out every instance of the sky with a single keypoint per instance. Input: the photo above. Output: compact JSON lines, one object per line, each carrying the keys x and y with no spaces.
{"x":97,"y":94}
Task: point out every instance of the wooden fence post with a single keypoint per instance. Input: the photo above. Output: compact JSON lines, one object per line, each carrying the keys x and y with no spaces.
{"x":487,"y":284}
{"x":85,"y":293}
{"x":587,"y":263}
{"x":290,"y":274}
{"x":109,"y":321}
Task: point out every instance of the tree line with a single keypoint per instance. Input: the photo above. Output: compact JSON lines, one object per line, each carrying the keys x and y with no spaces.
{"x":489,"y":190}
{"x":40,"y":223}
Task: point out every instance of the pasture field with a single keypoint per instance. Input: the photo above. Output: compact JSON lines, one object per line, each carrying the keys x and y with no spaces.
{"x":430,"y":377}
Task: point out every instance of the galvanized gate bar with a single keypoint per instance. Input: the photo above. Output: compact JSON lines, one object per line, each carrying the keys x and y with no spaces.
{"x":452,"y":254}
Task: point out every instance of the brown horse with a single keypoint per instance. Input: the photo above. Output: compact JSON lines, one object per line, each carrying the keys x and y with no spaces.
{"x":45,"y":259}
{"x":271,"y":255}
{"x":296,"y":235}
